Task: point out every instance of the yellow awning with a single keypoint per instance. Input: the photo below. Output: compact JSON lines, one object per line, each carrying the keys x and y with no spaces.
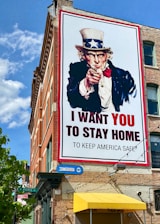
{"x":84,"y":201}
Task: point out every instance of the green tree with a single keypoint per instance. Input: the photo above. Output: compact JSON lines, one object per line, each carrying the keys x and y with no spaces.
{"x":11,"y":171}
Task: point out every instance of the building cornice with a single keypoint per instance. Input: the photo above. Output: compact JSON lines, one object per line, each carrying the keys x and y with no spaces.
{"x":39,"y":72}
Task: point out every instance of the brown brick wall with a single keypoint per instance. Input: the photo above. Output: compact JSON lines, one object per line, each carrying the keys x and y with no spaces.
{"x":130,"y":181}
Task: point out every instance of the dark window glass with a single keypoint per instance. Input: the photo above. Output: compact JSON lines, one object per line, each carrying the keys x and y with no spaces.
{"x":155,"y":150}
{"x":148,"y":53}
{"x":152,"y":107}
{"x":49,"y":156}
{"x":157,"y":200}
{"x":152,"y":100}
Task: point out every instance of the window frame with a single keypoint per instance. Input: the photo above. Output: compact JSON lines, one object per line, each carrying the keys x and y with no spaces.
{"x":49,"y":156}
{"x":157,"y":200}
{"x":155,"y":150}
{"x":147,"y":56}
{"x":153,"y":103}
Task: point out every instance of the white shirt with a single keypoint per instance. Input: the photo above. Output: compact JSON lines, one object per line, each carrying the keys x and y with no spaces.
{"x":104,"y":91}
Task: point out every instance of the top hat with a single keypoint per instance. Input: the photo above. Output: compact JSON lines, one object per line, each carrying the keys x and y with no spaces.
{"x":92,"y":40}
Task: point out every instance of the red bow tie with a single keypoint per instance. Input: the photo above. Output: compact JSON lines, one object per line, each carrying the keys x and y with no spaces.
{"x":107,"y":72}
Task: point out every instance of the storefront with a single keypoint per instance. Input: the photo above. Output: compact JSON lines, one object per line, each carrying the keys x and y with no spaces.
{"x":95,"y":208}
{"x":90,"y":207}
{"x":43,"y":209}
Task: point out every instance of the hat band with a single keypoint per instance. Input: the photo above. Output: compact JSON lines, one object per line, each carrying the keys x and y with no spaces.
{"x":93,"y":43}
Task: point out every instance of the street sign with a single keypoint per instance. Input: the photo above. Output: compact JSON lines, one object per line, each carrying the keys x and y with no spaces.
{"x":27,"y":189}
{"x":69,"y":169}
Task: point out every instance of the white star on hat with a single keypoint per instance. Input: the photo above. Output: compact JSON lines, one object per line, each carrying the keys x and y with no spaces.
{"x":93,"y":43}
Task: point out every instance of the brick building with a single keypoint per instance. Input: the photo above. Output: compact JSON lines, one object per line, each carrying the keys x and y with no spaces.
{"x":116,"y":192}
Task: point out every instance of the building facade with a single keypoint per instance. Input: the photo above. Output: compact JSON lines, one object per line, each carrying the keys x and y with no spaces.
{"x":119,"y":181}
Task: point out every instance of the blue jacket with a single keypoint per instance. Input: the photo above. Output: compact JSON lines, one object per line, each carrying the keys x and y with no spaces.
{"x":123,"y":85}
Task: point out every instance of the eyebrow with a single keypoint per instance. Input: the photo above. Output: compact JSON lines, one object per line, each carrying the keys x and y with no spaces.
{"x":91,"y":53}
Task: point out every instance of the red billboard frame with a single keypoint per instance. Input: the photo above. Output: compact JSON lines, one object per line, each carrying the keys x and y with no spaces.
{"x":62,"y":147}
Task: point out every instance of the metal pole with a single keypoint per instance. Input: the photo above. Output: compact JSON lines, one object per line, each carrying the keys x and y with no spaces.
{"x":90,"y":214}
{"x":121,"y":216}
{"x":15,"y":199}
{"x":144,"y":216}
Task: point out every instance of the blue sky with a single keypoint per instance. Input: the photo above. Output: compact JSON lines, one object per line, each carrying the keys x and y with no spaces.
{"x":144,"y":12}
{"x":22,"y":25}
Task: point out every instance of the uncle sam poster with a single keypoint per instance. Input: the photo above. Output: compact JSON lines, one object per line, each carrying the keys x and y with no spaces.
{"x":90,"y":129}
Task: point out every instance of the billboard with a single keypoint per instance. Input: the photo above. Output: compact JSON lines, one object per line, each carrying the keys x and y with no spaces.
{"x":101,"y":91}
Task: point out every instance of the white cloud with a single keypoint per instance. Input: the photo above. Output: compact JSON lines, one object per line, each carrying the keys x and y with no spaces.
{"x":26,"y":42}
{"x":7,"y":67}
{"x":23,"y":119}
{"x":10,"y":89}
{"x":18,"y":48}
{"x":14,"y":109}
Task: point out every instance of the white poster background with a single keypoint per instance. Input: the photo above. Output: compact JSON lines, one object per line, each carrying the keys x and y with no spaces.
{"x":98,"y":147}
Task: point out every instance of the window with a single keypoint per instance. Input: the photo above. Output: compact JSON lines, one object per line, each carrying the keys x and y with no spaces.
{"x":148,"y":49}
{"x":34,"y":175}
{"x":157,"y":200}
{"x":49,"y":156}
{"x":155,"y":150}
{"x":51,"y":100}
{"x":47,"y":114}
{"x":152,"y":96}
